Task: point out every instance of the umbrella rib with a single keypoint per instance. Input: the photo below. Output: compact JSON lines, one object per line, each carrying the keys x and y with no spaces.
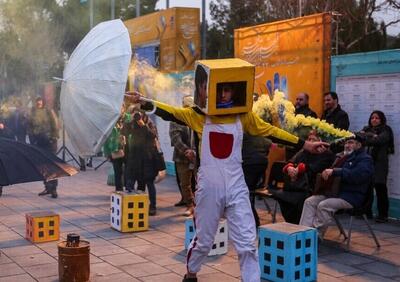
{"x":105,"y":42}
{"x":95,"y":79}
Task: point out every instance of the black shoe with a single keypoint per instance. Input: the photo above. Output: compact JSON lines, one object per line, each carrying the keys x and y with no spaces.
{"x":152,"y":211}
{"x":1,"y":191}
{"x":186,"y":279}
{"x":54,"y":194}
{"x":44,"y":192}
{"x":181,"y":203}
{"x":381,"y":219}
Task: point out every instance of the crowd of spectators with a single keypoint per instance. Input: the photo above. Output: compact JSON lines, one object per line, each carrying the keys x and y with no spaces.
{"x":137,"y":160}
{"x":361,"y":162}
{"x":39,"y":127}
{"x":134,"y":151}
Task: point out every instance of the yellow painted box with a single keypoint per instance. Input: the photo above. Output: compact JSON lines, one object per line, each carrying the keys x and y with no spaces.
{"x":213,"y":77}
{"x":43,"y":226}
{"x":129,"y":212}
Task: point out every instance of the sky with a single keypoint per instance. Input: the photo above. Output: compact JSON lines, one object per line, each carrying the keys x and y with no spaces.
{"x":386,"y":15}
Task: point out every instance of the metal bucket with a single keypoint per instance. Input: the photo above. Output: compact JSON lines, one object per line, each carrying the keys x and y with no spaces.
{"x":73,"y":262}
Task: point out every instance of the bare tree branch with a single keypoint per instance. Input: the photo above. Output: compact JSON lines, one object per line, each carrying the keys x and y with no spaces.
{"x":351,"y":44}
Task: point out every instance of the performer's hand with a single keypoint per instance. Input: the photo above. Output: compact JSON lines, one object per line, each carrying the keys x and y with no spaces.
{"x":133,"y":96}
{"x":316,"y":147}
{"x":327,"y":173}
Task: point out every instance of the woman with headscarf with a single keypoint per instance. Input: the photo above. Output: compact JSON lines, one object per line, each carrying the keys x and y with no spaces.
{"x":380,"y":143}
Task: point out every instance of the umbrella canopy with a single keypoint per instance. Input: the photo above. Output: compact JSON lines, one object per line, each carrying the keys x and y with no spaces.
{"x":93,"y":86}
{"x":20,"y":163}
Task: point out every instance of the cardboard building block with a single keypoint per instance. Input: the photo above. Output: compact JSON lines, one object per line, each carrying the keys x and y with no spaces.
{"x":220,"y":245}
{"x":129,"y":212}
{"x":287,"y":252}
{"x":43,"y":226}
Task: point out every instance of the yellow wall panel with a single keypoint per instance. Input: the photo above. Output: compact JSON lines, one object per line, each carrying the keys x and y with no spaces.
{"x":177,"y":30}
{"x":297,"y":49}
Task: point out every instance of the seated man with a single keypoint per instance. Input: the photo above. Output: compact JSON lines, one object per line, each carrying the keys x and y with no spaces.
{"x":300,"y":173}
{"x":355,"y":168}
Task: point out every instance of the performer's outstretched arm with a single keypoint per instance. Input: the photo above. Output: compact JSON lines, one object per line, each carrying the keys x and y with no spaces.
{"x":184,"y":116}
{"x":254,"y":125}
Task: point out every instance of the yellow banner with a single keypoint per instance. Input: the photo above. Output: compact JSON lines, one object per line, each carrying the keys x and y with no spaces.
{"x":291,"y":55}
{"x":176,"y":30}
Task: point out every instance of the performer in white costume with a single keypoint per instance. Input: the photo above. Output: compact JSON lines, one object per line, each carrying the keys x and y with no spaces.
{"x":221,"y":188}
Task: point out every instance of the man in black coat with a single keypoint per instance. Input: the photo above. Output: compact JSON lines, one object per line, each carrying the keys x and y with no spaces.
{"x":255,"y":151}
{"x":302,"y":107}
{"x":4,"y":133}
{"x":333,"y":113}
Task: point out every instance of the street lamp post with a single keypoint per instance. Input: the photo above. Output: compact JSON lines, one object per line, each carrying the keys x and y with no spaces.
{"x":91,"y":13}
{"x":203,"y":29}
{"x":300,"y":8}
{"x":112,"y":9}
{"x":137,"y":8}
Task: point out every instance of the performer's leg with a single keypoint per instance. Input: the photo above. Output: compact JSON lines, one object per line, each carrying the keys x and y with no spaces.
{"x":209,"y":209}
{"x":242,"y":231}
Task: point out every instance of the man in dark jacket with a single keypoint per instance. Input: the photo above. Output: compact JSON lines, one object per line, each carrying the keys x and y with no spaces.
{"x":255,"y":151}
{"x":333,"y":113}
{"x":355,"y":168}
{"x":4,"y":133}
{"x":302,"y":107}
{"x":43,"y":133}
{"x":184,"y":158}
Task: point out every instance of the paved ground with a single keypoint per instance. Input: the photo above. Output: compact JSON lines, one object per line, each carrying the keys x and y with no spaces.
{"x":158,"y":254}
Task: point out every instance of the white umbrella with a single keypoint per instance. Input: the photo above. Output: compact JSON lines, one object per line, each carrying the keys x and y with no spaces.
{"x":94,"y":84}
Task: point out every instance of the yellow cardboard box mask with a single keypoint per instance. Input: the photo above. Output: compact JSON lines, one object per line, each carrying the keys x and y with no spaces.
{"x":224,"y":86}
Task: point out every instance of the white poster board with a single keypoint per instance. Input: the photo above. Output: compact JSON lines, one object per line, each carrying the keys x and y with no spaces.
{"x":359,"y":96}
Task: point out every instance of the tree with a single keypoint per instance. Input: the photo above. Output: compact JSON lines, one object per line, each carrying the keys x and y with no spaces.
{"x":31,"y":45}
{"x":228,"y":15}
{"x":37,"y":36}
{"x":358,"y":29}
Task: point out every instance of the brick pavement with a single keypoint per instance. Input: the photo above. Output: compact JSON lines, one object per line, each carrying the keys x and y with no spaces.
{"x":158,"y":254}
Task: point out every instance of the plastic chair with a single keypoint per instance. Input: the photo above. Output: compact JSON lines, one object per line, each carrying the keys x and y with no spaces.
{"x":275,"y":182}
{"x":361,"y":211}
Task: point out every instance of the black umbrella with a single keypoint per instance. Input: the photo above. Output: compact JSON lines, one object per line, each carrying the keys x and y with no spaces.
{"x":20,"y":163}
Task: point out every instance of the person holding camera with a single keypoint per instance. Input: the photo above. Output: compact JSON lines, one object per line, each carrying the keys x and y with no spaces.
{"x":141,"y":162}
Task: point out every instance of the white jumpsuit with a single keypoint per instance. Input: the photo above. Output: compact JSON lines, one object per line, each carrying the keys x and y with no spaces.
{"x":222,"y":190}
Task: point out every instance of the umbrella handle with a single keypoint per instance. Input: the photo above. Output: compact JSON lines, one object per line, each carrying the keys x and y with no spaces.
{"x":142,"y":98}
{"x":150,"y":101}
